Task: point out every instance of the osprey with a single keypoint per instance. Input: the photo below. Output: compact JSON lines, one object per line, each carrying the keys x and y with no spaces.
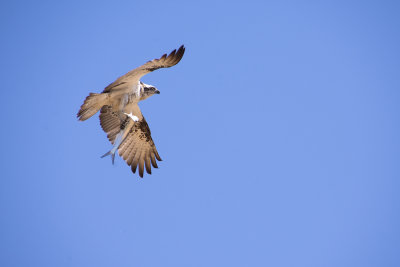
{"x":120,"y":115}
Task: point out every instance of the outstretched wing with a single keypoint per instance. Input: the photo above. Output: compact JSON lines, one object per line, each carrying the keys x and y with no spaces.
{"x":137,"y":147}
{"x":131,"y":78}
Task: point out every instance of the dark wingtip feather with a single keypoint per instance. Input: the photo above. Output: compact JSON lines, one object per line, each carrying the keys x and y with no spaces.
{"x":141,"y":167}
{"x":153,"y":160}
{"x":172,"y":53}
{"x":148,"y":170}
{"x":147,"y":163}
{"x":133,"y":168}
{"x":181,"y":50}
{"x":157,"y":156}
{"x":179,"y":54}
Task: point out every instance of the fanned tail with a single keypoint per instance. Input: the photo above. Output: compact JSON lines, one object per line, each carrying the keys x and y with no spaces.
{"x":92,"y":104}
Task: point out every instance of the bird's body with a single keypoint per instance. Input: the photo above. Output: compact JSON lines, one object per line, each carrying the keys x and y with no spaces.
{"x":120,"y":115}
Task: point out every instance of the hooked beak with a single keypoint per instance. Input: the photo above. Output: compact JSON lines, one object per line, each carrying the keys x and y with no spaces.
{"x":157,"y":92}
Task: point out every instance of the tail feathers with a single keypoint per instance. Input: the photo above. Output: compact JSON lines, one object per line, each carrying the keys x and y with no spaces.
{"x":92,"y":104}
{"x":112,"y":153}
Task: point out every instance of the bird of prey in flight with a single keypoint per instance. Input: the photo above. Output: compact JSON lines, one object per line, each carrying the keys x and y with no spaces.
{"x":120,"y":115}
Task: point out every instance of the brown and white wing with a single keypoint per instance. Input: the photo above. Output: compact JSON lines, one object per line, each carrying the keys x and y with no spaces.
{"x":138,"y":148}
{"x":132,"y":77}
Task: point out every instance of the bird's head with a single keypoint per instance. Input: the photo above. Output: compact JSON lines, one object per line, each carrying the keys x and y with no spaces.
{"x":147,"y":90}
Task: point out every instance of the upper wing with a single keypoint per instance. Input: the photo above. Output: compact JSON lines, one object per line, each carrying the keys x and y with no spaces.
{"x":133,"y":76}
{"x":137,"y":147}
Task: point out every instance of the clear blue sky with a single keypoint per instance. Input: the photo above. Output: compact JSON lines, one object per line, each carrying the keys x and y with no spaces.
{"x":279,"y":131}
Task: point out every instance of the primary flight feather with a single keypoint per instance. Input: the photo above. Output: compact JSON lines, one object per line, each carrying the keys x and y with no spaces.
{"x":120,"y":115}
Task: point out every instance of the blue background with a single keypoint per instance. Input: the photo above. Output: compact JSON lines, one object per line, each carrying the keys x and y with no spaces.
{"x":279,"y":131}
